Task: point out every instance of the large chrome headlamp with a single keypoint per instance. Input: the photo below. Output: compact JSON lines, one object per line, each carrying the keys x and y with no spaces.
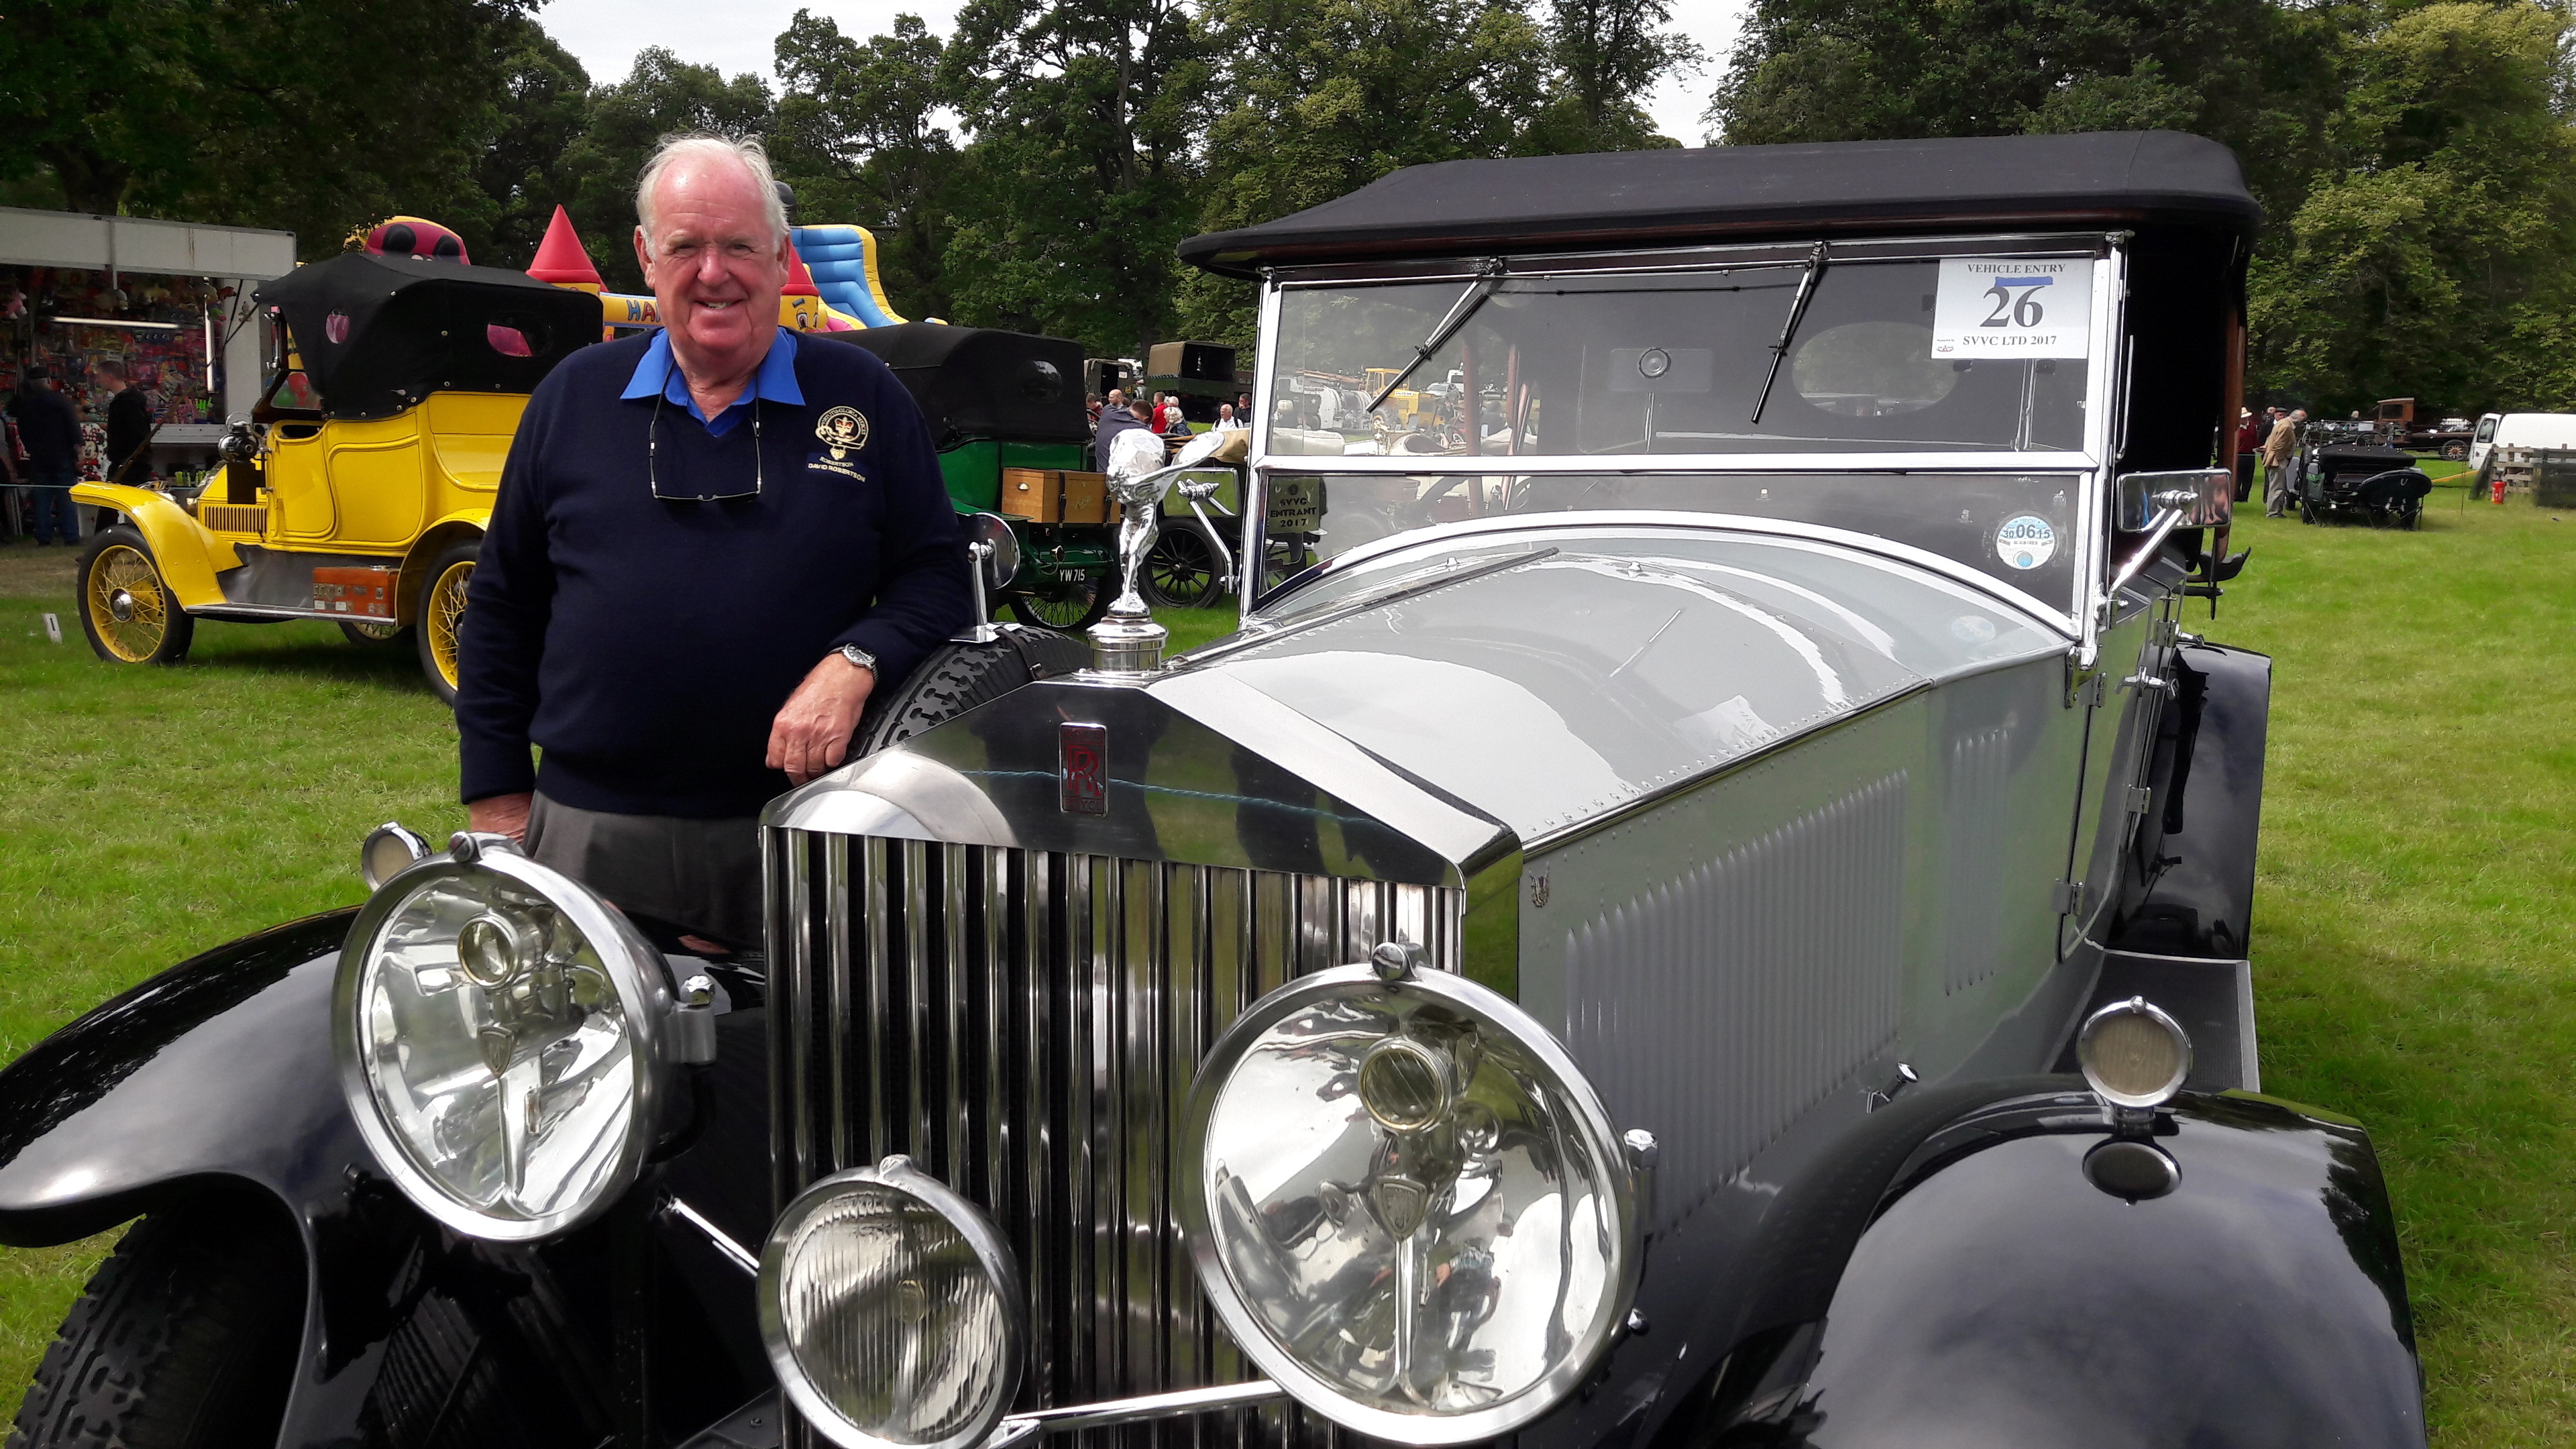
{"x":892,"y":1311}
{"x":1410,"y":1208}
{"x":505,"y":1039}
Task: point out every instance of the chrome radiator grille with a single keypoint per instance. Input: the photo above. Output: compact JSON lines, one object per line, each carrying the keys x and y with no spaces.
{"x":1026,"y":1026}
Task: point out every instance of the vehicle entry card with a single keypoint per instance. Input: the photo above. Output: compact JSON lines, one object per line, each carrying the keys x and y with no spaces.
{"x":2012,"y":307}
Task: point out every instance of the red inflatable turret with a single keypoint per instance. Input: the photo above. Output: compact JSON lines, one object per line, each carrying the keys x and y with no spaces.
{"x":800,"y":282}
{"x":561,"y":259}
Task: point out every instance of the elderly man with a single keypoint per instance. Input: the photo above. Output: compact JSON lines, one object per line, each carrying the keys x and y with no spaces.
{"x":684,"y":616}
{"x":2276,"y":463}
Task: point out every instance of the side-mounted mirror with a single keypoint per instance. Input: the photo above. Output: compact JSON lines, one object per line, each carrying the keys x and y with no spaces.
{"x":2205,"y":497}
{"x":990,"y":540}
{"x":992,"y":561}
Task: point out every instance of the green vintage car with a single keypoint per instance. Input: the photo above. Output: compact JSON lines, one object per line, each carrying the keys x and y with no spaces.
{"x":1006,"y":411}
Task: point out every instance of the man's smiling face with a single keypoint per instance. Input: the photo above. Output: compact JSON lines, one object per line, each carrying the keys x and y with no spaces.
{"x":715,"y":266}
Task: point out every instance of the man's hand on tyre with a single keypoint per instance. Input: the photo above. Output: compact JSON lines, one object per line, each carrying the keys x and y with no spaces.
{"x":812,"y":732}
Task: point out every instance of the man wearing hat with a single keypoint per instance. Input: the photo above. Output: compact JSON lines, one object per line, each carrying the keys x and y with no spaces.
{"x":51,"y":432}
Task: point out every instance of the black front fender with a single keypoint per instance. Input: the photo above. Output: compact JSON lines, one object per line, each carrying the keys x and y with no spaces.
{"x":218,"y":1074}
{"x":219,"y":1067}
{"x":2000,"y":1297}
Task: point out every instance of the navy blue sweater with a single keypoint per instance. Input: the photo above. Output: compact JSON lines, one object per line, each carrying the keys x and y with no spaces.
{"x":645,"y":645}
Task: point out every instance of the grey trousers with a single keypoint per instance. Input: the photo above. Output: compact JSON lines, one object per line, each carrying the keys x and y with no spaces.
{"x":700,"y":875}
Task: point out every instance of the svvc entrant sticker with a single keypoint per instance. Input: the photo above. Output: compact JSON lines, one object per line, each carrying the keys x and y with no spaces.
{"x":2013,"y":307}
{"x":2026,"y":542}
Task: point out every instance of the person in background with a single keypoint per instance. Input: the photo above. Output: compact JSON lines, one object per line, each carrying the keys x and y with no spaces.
{"x":129,"y":426}
{"x":1243,"y":407}
{"x":1227,"y":419}
{"x":2276,"y":463}
{"x":1175,"y":424}
{"x":2249,"y":441}
{"x":1117,"y":417}
{"x":51,"y":432}
{"x":13,"y":471}
{"x":128,"y":458}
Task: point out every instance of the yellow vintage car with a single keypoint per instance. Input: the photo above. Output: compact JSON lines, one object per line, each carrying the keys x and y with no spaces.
{"x":359,"y":489}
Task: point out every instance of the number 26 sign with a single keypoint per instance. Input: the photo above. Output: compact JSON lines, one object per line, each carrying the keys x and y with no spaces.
{"x":2013,"y":307}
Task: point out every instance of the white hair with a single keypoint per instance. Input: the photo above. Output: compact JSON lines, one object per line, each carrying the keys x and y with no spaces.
{"x":750,"y":155}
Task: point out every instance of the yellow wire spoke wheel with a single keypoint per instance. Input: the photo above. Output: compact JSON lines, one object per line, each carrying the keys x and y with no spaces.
{"x":129,"y":610}
{"x":445,"y":616}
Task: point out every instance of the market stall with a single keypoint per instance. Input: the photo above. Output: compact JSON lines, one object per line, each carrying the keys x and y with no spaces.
{"x":171,"y":301}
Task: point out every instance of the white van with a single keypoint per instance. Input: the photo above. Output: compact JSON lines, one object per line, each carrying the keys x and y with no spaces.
{"x":2519,"y":430}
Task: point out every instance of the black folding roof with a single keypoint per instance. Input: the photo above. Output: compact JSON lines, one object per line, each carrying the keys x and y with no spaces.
{"x":377,"y":334}
{"x":981,"y":382}
{"x":1714,"y":193}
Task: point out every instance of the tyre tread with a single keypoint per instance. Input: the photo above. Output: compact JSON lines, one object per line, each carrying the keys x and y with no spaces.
{"x":163,"y":1346}
{"x":958,"y":677}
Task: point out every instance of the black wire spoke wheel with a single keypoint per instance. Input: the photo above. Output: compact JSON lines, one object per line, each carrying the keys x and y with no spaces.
{"x":1181,"y":569}
{"x":1064,"y":601}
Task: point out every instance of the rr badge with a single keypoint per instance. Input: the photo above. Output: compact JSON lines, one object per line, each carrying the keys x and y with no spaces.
{"x":844,"y":430}
{"x":1082,"y":769}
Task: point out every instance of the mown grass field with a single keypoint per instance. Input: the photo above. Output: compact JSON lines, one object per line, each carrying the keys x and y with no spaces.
{"x":2415,"y":941}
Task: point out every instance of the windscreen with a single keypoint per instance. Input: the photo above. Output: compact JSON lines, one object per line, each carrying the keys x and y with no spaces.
{"x":1952,"y":354}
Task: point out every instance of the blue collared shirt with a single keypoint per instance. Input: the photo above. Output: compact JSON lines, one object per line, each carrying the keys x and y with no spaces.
{"x":660,"y":372}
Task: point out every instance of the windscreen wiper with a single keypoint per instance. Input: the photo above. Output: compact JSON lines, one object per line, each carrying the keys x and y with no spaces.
{"x":1489,"y":276}
{"x":1789,"y":329}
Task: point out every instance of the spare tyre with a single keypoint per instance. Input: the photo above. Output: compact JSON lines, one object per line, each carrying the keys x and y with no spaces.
{"x":955,"y":678}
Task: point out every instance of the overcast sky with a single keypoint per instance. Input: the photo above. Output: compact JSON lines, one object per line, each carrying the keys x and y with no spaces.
{"x":605,"y":34}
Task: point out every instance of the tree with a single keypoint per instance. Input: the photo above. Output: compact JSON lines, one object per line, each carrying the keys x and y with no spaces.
{"x":2413,"y":159}
{"x":856,"y":136}
{"x":94,"y":93}
{"x":662,"y":96}
{"x":1327,"y":96}
{"x":294,"y":116}
{"x":1078,"y":183}
{"x":524,"y":168}
{"x":2259,"y":76}
{"x":1609,"y":54}
{"x":2434,"y":256}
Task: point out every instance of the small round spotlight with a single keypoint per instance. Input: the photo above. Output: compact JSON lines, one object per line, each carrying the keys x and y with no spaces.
{"x":387,"y":850}
{"x":2133,"y":1055}
{"x":892,"y":1311}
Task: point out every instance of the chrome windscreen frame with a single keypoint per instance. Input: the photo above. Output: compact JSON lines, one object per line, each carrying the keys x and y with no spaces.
{"x":2105,"y":422}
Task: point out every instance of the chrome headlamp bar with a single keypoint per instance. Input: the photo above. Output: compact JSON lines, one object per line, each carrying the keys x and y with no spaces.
{"x":506,"y":1040}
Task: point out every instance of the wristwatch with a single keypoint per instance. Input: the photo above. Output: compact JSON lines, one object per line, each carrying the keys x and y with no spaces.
{"x":859,"y":657}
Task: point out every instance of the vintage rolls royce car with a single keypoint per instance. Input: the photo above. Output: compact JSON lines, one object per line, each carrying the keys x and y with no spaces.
{"x":1711,"y":908}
